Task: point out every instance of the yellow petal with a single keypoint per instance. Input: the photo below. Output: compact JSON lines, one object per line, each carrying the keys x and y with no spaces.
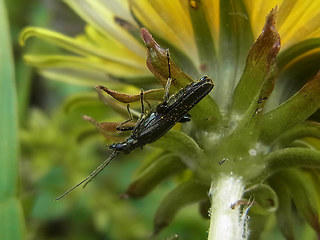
{"x":212,"y":11}
{"x":83,"y":47}
{"x":315,"y":34}
{"x":301,"y":23}
{"x":71,"y":77}
{"x":96,"y":68}
{"x":115,"y":48}
{"x":120,"y":8}
{"x":95,"y":13}
{"x":297,"y":20}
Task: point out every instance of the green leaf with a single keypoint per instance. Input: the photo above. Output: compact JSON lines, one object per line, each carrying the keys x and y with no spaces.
{"x":203,"y":38}
{"x":148,"y":160}
{"x":296,"y":73}
{"x":80,"y":99}
{"x":258,"y":224}
{"x":12,"y":226}
{"x":12,"y":222}
{"x":235,"y":41}
{"x":292,"y":112}
{"x":24,"y":79}
{"x":284,"y":211}
{"x":304,"y":194}
{"x":9,"y":146}
{"x":206,"y":114}
{"x":158,"y":171}
{"x":174,"y":237}
{"x":157,"y":63}
{"x":182,"y":145}
{"x":264,"y":197}
{"x":185,"y":194}
{"x":290,"y":157}
{"x":305,"y":129}
{"x":315,"y":175}
{"x":290,"y":54}
{"x":204,"y":208}
{"x":179,"y":57}
{"x":257,"y":79}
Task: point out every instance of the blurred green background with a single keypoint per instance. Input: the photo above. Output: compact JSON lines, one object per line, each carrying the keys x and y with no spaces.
{"x":46,"y":147}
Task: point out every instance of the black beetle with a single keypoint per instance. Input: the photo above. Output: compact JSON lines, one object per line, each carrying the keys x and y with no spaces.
{"x":159,"y":120}
{"x":153,"y":124}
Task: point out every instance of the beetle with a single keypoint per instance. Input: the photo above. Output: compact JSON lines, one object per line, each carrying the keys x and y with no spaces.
{"x":155,"y":123}
{"x":159,"y":120}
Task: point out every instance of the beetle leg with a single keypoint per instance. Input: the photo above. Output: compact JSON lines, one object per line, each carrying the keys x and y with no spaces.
{"x":185,"y":118}
{"x":120,"y":126}
{"x":122,"y":129}
{"x":167,"y":90}
{"x":169,"y":80}
{"x":149,"y":105}
{"x":141,"y":100}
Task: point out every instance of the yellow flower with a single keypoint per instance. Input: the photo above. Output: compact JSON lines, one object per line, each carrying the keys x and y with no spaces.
{"x":205,"y":37}
{"x":250,"y":137}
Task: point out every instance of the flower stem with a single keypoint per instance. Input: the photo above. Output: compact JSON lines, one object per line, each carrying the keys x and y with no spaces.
{"x":227,"y":222}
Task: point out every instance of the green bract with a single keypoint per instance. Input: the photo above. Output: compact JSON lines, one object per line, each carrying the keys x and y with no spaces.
{"x":249,"y":140}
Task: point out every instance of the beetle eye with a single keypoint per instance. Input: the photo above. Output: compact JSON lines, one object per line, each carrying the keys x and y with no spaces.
{"x":121,"y":146}
{"x":203,"y":78}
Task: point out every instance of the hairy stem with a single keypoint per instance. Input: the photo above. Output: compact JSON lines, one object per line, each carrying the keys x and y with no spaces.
{"x":228,"y":221}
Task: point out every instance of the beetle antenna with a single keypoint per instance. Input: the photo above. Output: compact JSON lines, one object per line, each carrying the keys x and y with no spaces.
{"x":92,"y":175}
